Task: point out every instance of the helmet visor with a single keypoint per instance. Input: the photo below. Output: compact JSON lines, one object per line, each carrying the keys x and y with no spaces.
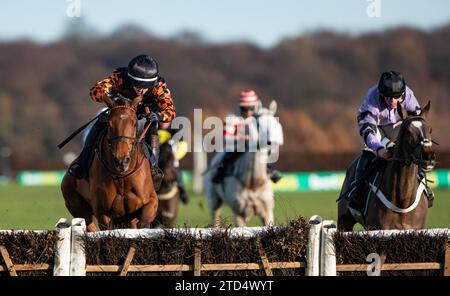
{"x":142,"y":82}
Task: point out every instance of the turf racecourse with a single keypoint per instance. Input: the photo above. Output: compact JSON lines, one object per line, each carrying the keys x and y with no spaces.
{"x":40,"y":207}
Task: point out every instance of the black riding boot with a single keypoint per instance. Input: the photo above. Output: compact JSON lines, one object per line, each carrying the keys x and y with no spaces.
{"x":356,"y":195}
{"x":157,"y":174}
{"x":80,"y":167}
{"x":228,"y":158}
{"x":275,"y":175}
{"x":220,"y":174}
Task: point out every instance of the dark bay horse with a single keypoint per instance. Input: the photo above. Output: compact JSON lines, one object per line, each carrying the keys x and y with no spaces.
{"x":168,"y":193}
{"x":396,"y":196}
{"x":120,"y":192}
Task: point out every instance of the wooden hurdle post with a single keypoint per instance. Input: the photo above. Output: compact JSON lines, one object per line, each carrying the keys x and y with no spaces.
{"x":264,"y":260}
{"x":9,"y":264}
{"x":128,"y":259}
{"x":197,"y":259}
{"x":447,"y":260}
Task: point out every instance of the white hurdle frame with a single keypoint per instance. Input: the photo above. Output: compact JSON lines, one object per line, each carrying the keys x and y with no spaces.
{"x":70,"y":256}
{"x":61,"y":266}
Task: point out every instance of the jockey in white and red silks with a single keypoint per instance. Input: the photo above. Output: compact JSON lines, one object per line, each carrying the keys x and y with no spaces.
{"x":236,"y":131}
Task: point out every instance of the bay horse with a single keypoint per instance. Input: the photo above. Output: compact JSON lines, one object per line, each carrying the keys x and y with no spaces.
{"x":120,"y":192}
{"x":168,"y":193}
{"x":248,"y":191}
{"x":395,"y":194}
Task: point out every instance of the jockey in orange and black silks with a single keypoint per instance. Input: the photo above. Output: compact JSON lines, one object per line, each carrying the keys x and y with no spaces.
{"x":141,"y":77}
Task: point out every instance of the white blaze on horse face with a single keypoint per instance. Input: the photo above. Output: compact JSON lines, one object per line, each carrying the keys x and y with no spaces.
{"x":418,"y":125}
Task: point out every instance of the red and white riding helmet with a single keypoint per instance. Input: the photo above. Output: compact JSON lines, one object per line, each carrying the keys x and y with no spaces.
{"x":248,"y":98}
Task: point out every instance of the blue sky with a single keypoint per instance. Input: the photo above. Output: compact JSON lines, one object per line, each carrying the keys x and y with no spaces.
{"x":259,"y":21}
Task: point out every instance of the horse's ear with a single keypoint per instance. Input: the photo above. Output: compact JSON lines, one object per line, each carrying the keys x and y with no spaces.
{"x":109,"y":101}
{"x":273,"y":107}
{"x":425,"y":110}
{"x":258,"y":107}
{"x":402,"y":112}
{"x":136,"y":101}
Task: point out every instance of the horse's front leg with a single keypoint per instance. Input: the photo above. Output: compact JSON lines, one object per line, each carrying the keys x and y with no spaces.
{"x":135,"y":202}
{"x":239,"y":220}
{"x":104,"y":221}
{"x":91,"y":227}
{"x":134,"y":223}
{"x":149,"y":211}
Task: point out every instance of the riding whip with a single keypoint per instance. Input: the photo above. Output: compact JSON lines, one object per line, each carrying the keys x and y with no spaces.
{"x":63,"y":143}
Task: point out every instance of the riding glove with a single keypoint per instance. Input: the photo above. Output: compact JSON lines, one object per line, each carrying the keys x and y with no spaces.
{"x":154,"y":117}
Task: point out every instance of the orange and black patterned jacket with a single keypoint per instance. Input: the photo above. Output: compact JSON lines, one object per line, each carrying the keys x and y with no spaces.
{"x":157,"y":98}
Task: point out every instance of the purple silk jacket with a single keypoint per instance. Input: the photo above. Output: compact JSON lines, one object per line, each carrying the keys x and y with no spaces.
{"x":375,"y":112}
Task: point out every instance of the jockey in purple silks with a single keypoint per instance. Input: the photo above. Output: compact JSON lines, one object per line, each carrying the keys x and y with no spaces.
{"x":379,"y":124}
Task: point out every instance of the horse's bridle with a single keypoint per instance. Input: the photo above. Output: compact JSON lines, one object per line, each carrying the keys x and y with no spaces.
{"x":135,"y":141}
{"x":425,"y":146}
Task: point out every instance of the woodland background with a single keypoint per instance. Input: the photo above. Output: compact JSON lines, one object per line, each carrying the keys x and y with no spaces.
{"x":319,"y":81}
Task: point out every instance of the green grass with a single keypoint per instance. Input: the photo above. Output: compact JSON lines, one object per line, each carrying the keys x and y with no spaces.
{"x":41,"y":207}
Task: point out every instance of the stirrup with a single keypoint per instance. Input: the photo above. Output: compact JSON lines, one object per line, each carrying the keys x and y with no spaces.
{"x":429,"y":193}
{"x":430,"y":196}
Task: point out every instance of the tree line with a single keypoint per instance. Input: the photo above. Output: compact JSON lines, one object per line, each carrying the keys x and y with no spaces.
{"x":319,"y":81}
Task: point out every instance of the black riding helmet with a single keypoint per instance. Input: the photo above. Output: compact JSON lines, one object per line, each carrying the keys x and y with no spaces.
{"x":391,"y":84}
{"x":143,"y":71}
